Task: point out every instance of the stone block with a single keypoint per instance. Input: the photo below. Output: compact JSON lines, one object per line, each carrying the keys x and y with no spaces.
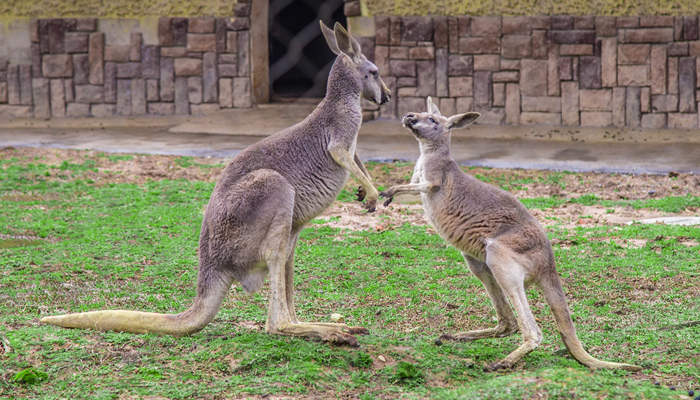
{"x":220,"y":35}
{"x":407,"y":91}
{"x":584,"y":22}
{"x":693,"y":49}
{"x":426,"y":78}
{"x":382,"y":29}
{"x":542,"y":104}
{"x":89,"y":94}
{"x":633,"y":53}
{"x":654,"y":121}
{"x":576,"y":49}
{"x":516,"y":46}
{"x":152,"y":91}
{"x":480,"y":45}
{"x":465,"y":23}
{"x":605,"y":26}
{"x":201,"y":42}
{"x":86,"y":24}
{"x":14,"y":111}
{"x":490,"y":115}
{"x":201,"y":25}
{"x":395,"y":31}
{"x":570,"y":103}
{"x":117,"y":53}
{"x":589,"y":72}
{"x":608,"y":56}
{"x":690,"y":28}
{"x":553,"y":72}
{"x":441,"y":70}
{"x":3,"y":92}
{"x":441,"y":38}
{"x":25,"y":84}
{"x":150,"y":62}
{"x":655,"y":21}
{"x":398,"y":52}
{"x":540,"y":118}
{"x":572,"y":36}
{"x":194,"y":89}
{"x":447,"y":105}
{"x":135,"y":45}
{"x":57,"y":66}
{"x":243,"y":54}
{"x":96,"y":58}
{"x":595,"y":99}
{"x":81,"y":68}
{"x":633,"y":115}
{"x":56,"y":36}
{"x":518,"y":25}
{"x":686,"y":84}
{"x":188,"y":67}
{"x":110,"y":85}
{"x":533,"y":77}
{"x":410,"y":104}
{"x":402,"y":68}
{"x":421,"y":53}
{"x":165,"y":33}
{"x":562,"y":22}
{"x":460,"y":65}
{"x":68,"y":90}
{"x":161,"y":108}
{"x":352,"y":8}
{"x":596,"y":118}
{"x":173,"y":52}
{"x":13,"y":89}
{"x":565,"y":69}
{"x":129,"y":70}
{"x":540,"y":44}
{"x":627,"y":22}
{"x":506,"y":76}
{"x":209,"y":78}
{"x":242,"y":9}
{"x":40,"y":93}
{"x":633,"y":75}
{"x":76,"y":42}
{"x":241,"y":93}
{"x":664,"y":103}
{"x":460,"y":86}
{"x":645,"y":100}
{"x":678,"y":49}
{"x":482,"y":93}
{"x":226,"y":92}
{"x":487,"y":26}
{"x":178,"y":26}
{"x":228,"y":70}
{"x":36,"y":61}
{"x":238,"y":24}
{"x":102,"y":110}
{"x":464,"y":104}
{"x":648,"y":35}
{"x":405,"y":81}
{"x":683,"y":121}
{"x":672,"y":74}
{"x":618,"y":106}
{"x":182,"y":104}
{"x":453,"y":33}
{"x":487,"y":62}
{"x":417,"y":29}
{"x":138,"y":96}
{"x":203,"y":109}
{"x":499,"y":94}
{"x":77,"y":110}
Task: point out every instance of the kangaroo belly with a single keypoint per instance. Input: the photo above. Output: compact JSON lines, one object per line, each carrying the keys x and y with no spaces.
{"x":465,"y":232}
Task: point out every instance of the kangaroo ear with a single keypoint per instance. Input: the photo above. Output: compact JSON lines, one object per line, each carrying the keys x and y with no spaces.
{"x":431,"y":107}
{"x":329,"y":35}
{"x":462,"y":120}
{"x":346,"y":43}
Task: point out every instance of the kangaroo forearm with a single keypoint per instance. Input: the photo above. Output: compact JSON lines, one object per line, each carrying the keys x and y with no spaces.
{"x":362,"y":166}
{"x":343,"y":158}
{"x":413,"y":188}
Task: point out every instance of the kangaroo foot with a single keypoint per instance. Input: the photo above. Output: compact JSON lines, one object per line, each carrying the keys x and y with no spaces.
{"x":499,"y":331}
{"x":355,"y":330}
{"x":495,"y":366}
{"x":334,"y":334}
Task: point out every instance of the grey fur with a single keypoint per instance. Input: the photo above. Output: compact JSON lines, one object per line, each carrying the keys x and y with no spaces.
{"x":503,"y":244}
{"x":263,"y":199}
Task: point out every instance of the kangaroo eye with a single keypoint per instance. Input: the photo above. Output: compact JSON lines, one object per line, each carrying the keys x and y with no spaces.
{"x":374,"y":73}
{"x":432,"y":120}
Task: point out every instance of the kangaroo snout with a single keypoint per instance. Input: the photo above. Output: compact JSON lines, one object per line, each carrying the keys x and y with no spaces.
{"x":385,"y":98}
{"x":409,"y":120}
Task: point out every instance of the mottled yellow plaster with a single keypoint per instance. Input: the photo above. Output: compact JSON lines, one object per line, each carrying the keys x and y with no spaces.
{"x":114,"y":8}
{"x":530,"y":7}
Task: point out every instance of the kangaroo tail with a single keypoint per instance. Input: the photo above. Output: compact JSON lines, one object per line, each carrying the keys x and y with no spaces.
{"x":210,"y":294}
{"x":553,"y":293}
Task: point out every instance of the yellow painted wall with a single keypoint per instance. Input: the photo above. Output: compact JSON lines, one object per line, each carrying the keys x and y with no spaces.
{"x":531,"y":7}
{"x":114,"y":8}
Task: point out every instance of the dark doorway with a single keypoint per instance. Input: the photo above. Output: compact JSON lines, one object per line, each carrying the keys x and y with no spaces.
{"x":299,"y":57}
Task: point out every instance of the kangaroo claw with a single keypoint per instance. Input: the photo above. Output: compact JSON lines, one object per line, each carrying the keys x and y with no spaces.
{"x":360,"y":195}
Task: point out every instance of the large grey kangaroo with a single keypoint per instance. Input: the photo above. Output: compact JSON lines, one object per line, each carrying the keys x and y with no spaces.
{"x":263,"y":199}
{"x":505,"y":246}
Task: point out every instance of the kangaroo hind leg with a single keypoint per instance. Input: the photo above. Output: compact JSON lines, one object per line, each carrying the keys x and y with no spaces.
{"x":507,"y":324}
{"x":509,"y":273}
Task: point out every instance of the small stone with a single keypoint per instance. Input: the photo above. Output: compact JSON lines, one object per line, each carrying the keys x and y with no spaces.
{"x":438,"y":342}
{"x":381,"y":358}
{"x":335,"y":317}
{"x":691,"y":392}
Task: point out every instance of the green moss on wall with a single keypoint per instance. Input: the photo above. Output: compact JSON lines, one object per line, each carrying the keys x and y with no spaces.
{"x":531,"y":7}
{"x":114,"y":8}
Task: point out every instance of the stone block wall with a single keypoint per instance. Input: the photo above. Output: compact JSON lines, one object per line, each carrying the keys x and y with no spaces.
{"x":198,"y":65}
{"x":553,"y":70}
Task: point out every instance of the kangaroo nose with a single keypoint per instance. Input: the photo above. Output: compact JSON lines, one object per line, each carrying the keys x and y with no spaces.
{"x":410,"y":119}
{"x":385,"y":98}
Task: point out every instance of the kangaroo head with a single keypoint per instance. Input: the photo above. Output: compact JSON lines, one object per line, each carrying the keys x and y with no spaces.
{"x":344,"y":45}
{"x":432,"y":126}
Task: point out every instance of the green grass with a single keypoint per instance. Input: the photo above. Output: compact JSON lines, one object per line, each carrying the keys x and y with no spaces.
{"x":134,"y":246}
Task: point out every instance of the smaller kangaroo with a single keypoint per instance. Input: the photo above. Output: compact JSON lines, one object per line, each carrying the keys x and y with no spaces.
{"x":505,"y":246}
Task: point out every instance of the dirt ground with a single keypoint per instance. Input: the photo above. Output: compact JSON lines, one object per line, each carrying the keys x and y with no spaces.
{"x":120,"y":168}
